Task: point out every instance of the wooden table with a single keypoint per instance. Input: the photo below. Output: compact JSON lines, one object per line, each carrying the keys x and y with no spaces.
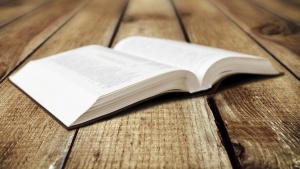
{"x":250,"y":122}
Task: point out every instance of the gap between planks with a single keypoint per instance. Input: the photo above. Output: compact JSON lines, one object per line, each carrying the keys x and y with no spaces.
{"x":110,"y":45}
{"x":214,"y":109}
{"x":257,"y":42}
{"x":41,"y":43}
{"x":278,"y":46}
{"x":118,"y":25}
{"x":7,"y":21}
{"x":25,"y":44}
{"x":131,"y":26}
{"x":223,"y":132}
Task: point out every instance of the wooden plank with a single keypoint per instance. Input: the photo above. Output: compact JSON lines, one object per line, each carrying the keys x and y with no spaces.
{"x":156,"y":19}
{"x":15,"y":9}
{"x":287,"y":9}
{"x":3,"y":1}
{"x":29,"y":137}
{"x":261,"y":116}
{"x":172,"y":131}
{"x":22,"y":37}
{"x":278,"y":36}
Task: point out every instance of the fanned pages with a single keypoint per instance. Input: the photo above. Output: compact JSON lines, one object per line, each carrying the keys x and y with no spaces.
{"x":84,"y":84}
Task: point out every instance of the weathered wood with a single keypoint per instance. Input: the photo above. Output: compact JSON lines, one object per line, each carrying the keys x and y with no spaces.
{"x":287,"y":9}
{"x":262,"y":116}
{"x":22,"y":37}
{"x":156,"y":19}
{"x":14,"y":9}
{"x":263,"y":125}
{"x":29,"y":137}
{"x":278,"y":36}
{"x":167,"y":132}
{"x":171,"y":131}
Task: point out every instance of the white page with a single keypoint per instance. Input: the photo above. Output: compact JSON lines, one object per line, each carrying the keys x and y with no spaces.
{"x":195,"y":58}
{"x":69,"y":83}
{"x":64,"y":99}
{"x":101,"y":70}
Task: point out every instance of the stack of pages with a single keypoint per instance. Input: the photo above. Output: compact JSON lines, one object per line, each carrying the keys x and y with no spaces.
{"x":84,"y":84}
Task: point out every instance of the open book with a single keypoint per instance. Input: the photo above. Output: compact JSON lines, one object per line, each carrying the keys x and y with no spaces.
{"x":90,"y":82}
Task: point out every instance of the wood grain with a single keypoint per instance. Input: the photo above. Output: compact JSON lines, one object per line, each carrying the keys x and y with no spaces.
{"x":173,"y":131}
{"x":29,"y":137}
{"x":262,"y":116}
{"x":156,"y":19}
{"x":278,"y":36}
{"x":20,"y":38}
{"x":287,"y":9}
{"x":15,"y":9}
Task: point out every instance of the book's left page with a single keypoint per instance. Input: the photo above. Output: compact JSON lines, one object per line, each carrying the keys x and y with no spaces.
{"x":69,"y":83}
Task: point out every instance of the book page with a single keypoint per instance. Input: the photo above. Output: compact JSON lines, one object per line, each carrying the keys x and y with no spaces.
{"x":101,"y":70}
{"x":69,"y":83}
{"x":192,"y":57}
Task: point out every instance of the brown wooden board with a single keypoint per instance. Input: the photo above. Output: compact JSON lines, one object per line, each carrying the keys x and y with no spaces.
{"x":20,"y":38}
{"x":261,"y":114}
{"x":280,"y":37}
{"x":155,"y":19}
{"x":172,"y":131}
{"x":288,"y":9}
{"x":175,"y":130}
{"x":29,"y":136}
{"x":3,"y":1}
{"x":15,"y":9}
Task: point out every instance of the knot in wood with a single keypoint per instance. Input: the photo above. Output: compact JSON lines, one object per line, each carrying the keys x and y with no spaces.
{"x":239,"y":150}
{"x":272,"y":29}
{"x":144,"y":17}
{"x":279,"y":28}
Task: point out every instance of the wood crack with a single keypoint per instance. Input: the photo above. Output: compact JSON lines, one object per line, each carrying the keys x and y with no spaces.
{"x":118,"y":25}
{"x":231,"y":148}
{"x":186,"y":36}
{"x":65,"y":160}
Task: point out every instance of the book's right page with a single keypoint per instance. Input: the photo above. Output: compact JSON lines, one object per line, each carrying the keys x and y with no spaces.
{"x":207,"y":63}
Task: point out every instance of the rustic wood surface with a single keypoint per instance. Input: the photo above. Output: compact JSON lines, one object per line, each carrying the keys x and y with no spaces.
{"x":262,"y":119}
{"x":30,"y":138}
{"x":251,"y":122}
{"x":288,"y":9}
{"x":280,"y":37}
{"x":260,"y":122}
{"x":14,"y":9}
{"x":20,"y":38}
